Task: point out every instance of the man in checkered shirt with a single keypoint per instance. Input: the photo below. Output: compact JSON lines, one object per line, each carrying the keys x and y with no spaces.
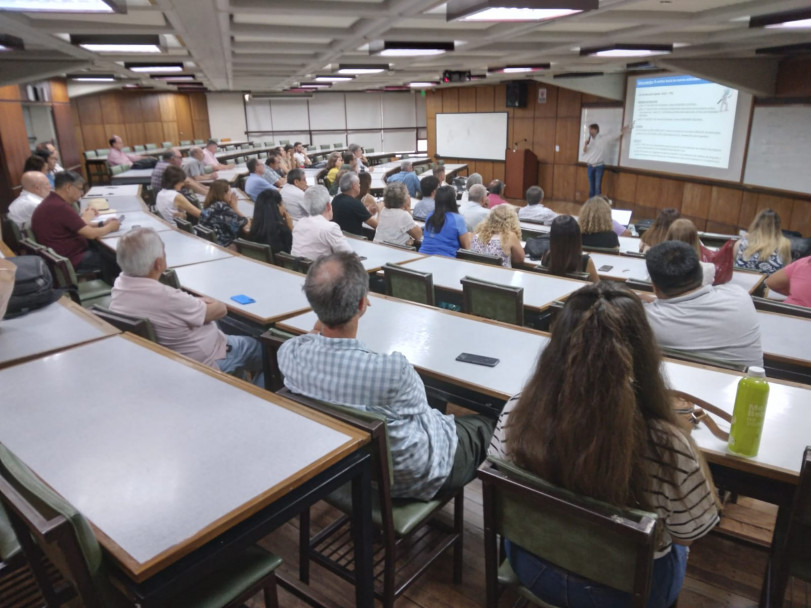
{"x":432,"y":453}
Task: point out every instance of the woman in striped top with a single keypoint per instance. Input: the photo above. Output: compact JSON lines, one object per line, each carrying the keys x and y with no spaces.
{"x":596,"y":418}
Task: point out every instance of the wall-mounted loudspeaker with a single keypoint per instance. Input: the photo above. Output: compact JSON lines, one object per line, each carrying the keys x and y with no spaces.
{"x":517,"y":94}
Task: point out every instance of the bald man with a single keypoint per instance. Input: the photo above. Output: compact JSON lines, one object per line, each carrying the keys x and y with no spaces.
{"x":36,"y":186}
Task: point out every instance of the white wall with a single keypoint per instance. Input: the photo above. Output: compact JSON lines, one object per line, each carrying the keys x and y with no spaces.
{"x":226,"y":115}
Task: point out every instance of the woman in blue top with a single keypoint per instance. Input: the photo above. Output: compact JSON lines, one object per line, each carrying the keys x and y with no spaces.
{"x":445,"y":229}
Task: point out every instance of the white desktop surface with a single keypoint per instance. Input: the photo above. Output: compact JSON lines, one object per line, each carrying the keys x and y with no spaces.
{"x":231,"y":175}
{"x":748,"y":280}
{"x":155,"y":456}
{"x":183,"y":249}
{"x":106,"y":191}
{"x":539,"y":290}
{"x":622,"y":267}
{"x":377,"y":255}
{"x":277,"y":292}
{"x":141,"y":219}
{"x":122,"y":203}
{"x":132,"y":176}
{"x":432,"y":338}
{"x":54,"y":327}
{"x":786,"y":337}
{"x":245,"y":206}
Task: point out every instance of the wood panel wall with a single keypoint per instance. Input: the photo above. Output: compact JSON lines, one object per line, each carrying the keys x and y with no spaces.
{"x":552,"y":133}
{"x":139,"y":118}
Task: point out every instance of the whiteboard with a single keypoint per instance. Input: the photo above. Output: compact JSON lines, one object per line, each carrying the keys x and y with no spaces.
{"x":475,"y":135}
{"x":779,"y":148}
{"x":610,"y":121}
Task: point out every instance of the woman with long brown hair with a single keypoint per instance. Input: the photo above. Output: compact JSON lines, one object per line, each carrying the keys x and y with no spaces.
{"x":658,"y":230}
{"x":221,"y":213}
{"x":596,"y":418}
{"x":565,"y":254}
{"x":763,"y":248}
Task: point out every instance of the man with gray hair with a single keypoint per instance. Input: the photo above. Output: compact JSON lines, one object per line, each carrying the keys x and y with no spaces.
{"x":535,"y":211}
{"x":293,"y":194}
{"x":182,"y":322}
{"x":432,"y":453}
{"x":357,"y":153}
{"x":347,"y":209}
{"x":479,"y":208}
{"x":316,"y":235}
{"x":196,"y":166}
{"x":407,"y":176}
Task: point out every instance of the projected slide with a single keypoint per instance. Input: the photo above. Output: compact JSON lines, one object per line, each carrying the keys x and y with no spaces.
{"x":683,"y":119}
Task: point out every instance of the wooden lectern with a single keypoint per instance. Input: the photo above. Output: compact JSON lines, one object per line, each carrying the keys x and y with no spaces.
{"x":520,"y":172}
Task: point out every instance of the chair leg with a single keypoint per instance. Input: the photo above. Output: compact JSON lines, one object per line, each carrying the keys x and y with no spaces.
{"x":304,"y":546}
{"x":271,"y":595}
{"x":459,"y":528}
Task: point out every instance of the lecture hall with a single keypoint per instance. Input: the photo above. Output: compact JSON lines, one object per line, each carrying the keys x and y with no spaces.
{"x":413,"y":303}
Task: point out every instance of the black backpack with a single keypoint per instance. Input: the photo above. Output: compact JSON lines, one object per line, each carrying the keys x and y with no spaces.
{"x":147,"y":162}
{"x":33,"y":286}
{"x":537,"y":246}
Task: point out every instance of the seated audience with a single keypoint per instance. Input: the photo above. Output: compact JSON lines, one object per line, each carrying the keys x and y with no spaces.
{"x":445,"y":231}
{"x":361,"y":164}
{"x":596,"y":419}
{"x":289,"y":156}
{"x":170,"y":201}
{"x":57,"y":225}
{"x":293,"y":194}
{"x":496,"y":190}
{"x":196,"y":168}
{"x":500,"y":235}
{"x":425,"y":206}
{"x":301,"y":156}
{"x":347,"y":211}
{"x":350,"y":163}
{"x":316,"y":235}
{"x":173,"y":158}
{"x":210,"y":157}
{"x":596,"y":224}
{"x":658,"y":230}
{"x":256,"y":183}
{"x":793,"y":281}
{"x":272,"y":224}
{"x":36,"y":163}
{"x":473,"y":179}
{"x":763,"y":247}
{"x":182,"y":322}
{"x":35,"y":187}
{"x":334,"y":163}
{"x":222,"y":215}
{"x":394,"y":223}
{"x":439,"y":173}
{"x":433,"y":454}
{"x":565,"y":254}
{"x":365,"y":195}
{"x":713,"y":321}
{"x":478,"y":208}
{"x":50,"y":159}
{"x":51,"y":148}
{"x":685,"y":231}
{"x":273,"y":167}
{"x":406,"y":176}
{"x":116,"y":154}
{"x":535,"y":211}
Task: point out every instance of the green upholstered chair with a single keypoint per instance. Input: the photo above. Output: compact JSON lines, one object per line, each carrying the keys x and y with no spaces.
{"x":185,"y":142}
{"x":580,"y":276}
{"x":256,"y":251}
{"x":199,"y":142}
{"x":126,"y":149}
{"x":324,"y":146}
{"x":338,"y":145}
{"x":135,"y":325}
{"x":139,"y":148}
{"x":410,"y":538}
{"x":151,"y":146}
{"x":86,"y":292}
{"x":565,"y":529}
{"x":482,"y":258}
{"x":168,"y":144}
{"x":692,"y":357}
{"x":118,"y":169}
{"x":45,"y":523}
{"x":493,"y":301}
{"x":184,"y":225}
{"x":90,"y":154}
{"x":311,"y":148}
{"x":296,"y":264}
{"x":408,"y":284}
{"x":284,"y":142}
{"x":102,"y":152}
{"x":205,"y":233}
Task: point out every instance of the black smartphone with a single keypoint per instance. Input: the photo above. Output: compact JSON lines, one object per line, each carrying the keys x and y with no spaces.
{"x":605,"y":268}
{"x":478,"y":359}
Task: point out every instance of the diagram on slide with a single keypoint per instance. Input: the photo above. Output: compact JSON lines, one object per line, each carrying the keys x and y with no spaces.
{"x":683,"y":119}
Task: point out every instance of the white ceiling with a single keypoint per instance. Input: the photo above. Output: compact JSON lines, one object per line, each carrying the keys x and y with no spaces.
{"x":271,"y":45}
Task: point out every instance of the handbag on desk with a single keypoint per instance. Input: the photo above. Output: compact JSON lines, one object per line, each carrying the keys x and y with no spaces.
{"x":692,"y":411}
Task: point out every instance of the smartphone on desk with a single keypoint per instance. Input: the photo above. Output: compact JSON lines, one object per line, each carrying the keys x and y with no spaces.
{"x":243,"y":299}
{"x":605,"y":268}
{"x":478,"y":359}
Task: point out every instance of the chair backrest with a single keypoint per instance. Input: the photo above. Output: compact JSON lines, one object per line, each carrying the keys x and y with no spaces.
{"x":197,"y":142}
{"x":799,"y":527}
{"x":493,"y":301}
{"x":311,"y":148}
{"x":139,"y":148}
{"x":257,"y":251}
{"x":398,"y":246}
{"x":167,"y":144}
{"x":115,"y":170}
{"x":184,"y":225}
{"x":61,"y":268}
{"x":126,"y":149}
{"x":568,"y":530}
{"x":185,"y":142}
{"x":638,"y":285}
{"x":580,"y":276}
{"x":601,"y":249}
{"x":338,"y":145}
{"x":407,"y":284}
{"x":169,"y":277}
{"x":205,"y":233}
{"x":681,"y":355}
{"x":46,"y":524}
{"x":11,"y":233}
{"x":90,"y":154}
{"x":297,"y":264}
{"x":782,"y":308}
{"x":482,"y":258}
{"x":102,"y":152}
{"x":139,"y":326}
{"x":370,"y":150}
{"x":152,"y":146}
{"x":324,"y":146}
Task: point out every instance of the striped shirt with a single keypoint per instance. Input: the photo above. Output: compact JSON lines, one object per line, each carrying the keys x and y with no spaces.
{"x":679,"y":493}
{"x":345,"y":372}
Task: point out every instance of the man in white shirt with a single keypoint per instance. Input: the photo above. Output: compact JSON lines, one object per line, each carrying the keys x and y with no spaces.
{"x":36,"y":187}
{"x":301,"y":156}
{"x":717,"y":322}
{"x":535,"y":211}
{"x":116,"y":154}
{"x":317,"y":234}
{"x":476,"y":212}
{"x":594,"y":153}
{"x":293,"y":194}
{"x":210,"y":158}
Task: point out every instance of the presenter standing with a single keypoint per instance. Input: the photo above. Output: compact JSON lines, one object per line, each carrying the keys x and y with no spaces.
{"x":594,"y":152}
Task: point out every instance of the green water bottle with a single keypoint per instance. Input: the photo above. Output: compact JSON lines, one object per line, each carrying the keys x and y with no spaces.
{"x":749,"y":413}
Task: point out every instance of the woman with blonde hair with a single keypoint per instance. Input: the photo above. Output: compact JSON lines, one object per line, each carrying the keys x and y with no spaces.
{"x":656,"y":233}
{"x":684,"y":230}
{"x":596,"y":418}
{"x":763,"y":247}
{"x":595,"y":224}
{"x":500,"y":235}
